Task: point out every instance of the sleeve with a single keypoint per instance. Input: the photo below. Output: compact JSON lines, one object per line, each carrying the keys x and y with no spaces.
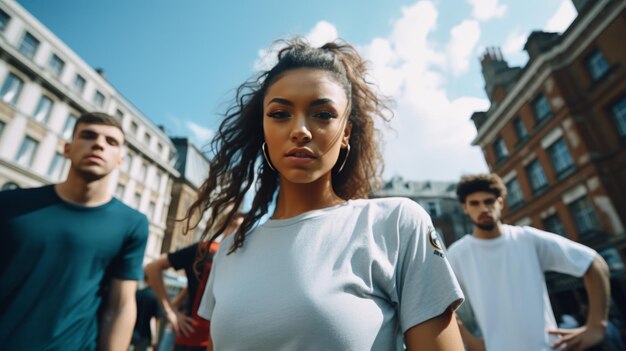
{"x":559,"y":254}
{"x":207,"y":303}
{"x":184,"y":257}
{"x":128,"y":264}
{"x":425,"y":283}
{"x":453,"y":256}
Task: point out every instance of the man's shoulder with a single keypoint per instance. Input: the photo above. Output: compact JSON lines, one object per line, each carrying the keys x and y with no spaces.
{"x":20,"y":193}
{"x":17,"y":202}
{"x":121,"y":208}
{"x":460,"y":245}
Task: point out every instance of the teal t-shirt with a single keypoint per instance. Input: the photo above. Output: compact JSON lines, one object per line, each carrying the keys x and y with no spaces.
{"x":56,"y":260}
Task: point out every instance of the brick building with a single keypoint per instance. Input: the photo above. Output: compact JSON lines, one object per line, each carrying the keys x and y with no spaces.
{"x":193,"y":167}
{"x":556,"y":133}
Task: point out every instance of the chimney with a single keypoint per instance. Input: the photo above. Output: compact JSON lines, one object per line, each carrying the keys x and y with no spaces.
{"x":539,"y":42}
{"x":479,"y":118}
{"x":496,"y":71}
{"x":582,"y":5}
{"x":101,"y":72}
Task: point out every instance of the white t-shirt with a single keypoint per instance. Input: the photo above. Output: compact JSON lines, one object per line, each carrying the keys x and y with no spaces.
{"x":350,"y":277}
{"x":503,"y":279}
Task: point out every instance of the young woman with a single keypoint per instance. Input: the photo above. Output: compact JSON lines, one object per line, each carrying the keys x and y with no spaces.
{"x":330,"y":270}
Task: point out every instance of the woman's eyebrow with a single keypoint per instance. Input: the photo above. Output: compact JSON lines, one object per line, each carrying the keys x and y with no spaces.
{"x":323,"y":101}
{"x":281,"y":101}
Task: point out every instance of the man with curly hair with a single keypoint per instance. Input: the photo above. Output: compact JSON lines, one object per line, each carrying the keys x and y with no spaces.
{"x":501,"y":270}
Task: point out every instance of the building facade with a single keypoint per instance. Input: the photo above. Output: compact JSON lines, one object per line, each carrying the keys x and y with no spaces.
{"x":438,"y":199}
{"x":193,"y":167}
{"x":44,"y":87}
{"x":556,"y":133}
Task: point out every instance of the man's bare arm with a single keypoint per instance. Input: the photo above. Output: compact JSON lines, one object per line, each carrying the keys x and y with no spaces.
{"x":118,"y":319}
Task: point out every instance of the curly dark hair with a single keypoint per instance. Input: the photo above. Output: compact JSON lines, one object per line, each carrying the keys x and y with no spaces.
{"x":237,"y":164}
{"x":490,"y":183}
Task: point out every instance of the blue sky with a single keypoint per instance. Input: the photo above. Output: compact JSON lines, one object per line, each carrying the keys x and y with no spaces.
{"x":180,"y":61}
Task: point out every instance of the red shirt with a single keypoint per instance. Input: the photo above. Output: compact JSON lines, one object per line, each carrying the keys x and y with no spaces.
{"x":200,"y":335}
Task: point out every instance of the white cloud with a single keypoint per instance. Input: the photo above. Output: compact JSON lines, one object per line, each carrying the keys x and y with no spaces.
{"x":514,"y":42}
{"x":513,"y":48}
{"x":200,"y":135}
{"x":562,"y":18}
{"x":432,"y":132}
{"x":321,"y":33}
{"x":487,"y":9}
{"x":463,"y":40}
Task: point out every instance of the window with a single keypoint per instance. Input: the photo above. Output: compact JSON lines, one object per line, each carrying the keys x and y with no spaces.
{"x":561,"y":157}
{"x":520,"y":129}
{"x":119,"y":114}
{"x":128,"y":160}
{"x":619,"y":113}
{"x":537,"y":177}
{"x":542,"y":109}
{"x":119,"y":191}
{"x":159,"y":148}
{"x":29,"y":45}
{"x":136,"y":200}
{"x":55,"y":171}
{"x":98,"y":99}
{"x":147,"y":138}
{"x":26,"y":154}
{"x":433,"y":209}
{"x":79,"y":83}
{"x":42,"y":112}
{"x":499,"y":147}
{"x":133,"y":128}
{"x":553,"y":224}
{"x":515,"y":196}
{"x":11,"y":89}
{"x":68,"y":127}
{"x":56,"y":65}
{"x":157,"y":181}
{"x":142,"y":171}
{"x":597,"y":65}
{"x":151,"y":210}
{"x":584,"y":216}
{"x":4,"y":20}
{"x":2,"y":124}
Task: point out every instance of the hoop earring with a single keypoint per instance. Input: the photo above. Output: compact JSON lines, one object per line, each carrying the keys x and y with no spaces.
{"x":345,"y":159}
{"x":267,"y":157}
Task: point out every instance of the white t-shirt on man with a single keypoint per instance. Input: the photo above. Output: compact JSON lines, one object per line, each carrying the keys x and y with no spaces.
{"x":503,"y":279}
{"x":355,"y":276}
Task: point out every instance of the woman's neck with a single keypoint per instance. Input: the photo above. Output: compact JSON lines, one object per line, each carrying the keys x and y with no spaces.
{"x":295,"y":199}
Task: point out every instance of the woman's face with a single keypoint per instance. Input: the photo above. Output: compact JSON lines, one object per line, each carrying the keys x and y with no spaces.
{"x":305,"y":123}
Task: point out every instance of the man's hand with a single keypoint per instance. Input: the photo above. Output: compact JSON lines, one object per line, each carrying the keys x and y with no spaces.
{"x":182,"y":324}
{"x":578,"y":339}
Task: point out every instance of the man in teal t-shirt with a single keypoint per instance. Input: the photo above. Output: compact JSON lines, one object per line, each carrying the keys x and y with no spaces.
{"x":71,"y":254}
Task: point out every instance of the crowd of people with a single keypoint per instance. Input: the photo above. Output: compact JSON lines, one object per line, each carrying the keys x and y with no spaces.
{"x":311,"y":265}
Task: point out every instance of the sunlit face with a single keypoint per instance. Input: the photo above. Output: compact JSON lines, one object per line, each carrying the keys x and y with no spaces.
{"x":305,"y":123}
{"x":484,"y":209}
{"x":95,"y":150}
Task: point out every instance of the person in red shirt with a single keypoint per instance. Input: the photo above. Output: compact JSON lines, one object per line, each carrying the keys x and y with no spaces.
{"x":191,"y":330}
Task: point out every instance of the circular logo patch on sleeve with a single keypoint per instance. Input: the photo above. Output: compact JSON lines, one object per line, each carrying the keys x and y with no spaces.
{"x":433,"y":239}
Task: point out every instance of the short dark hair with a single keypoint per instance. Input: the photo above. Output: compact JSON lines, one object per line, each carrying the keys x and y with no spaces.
{"x":100,"y":118}
{"x":490,"y":183}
